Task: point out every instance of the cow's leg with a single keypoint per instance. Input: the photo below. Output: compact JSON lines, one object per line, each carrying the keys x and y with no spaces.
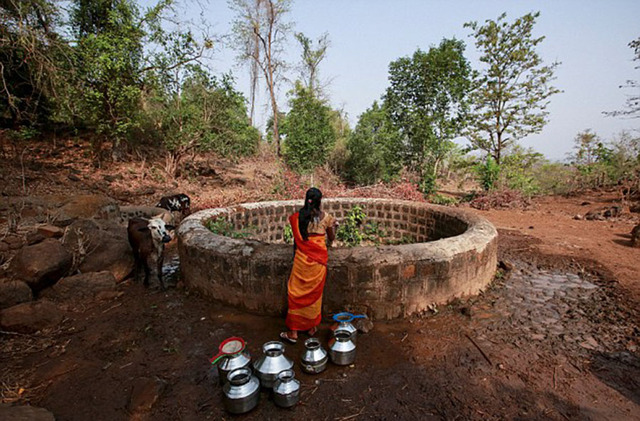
{"x":160,"y":280}
{"x":146,"y":274}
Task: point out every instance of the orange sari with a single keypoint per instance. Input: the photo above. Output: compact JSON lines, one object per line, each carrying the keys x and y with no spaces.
{"x":306,"y":282}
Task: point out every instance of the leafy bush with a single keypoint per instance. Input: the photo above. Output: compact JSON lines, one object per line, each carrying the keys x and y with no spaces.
{"x":287,"y":234}
{"x":309,"y":135}
{"x":349,"y":232}
{"x":488,"y":174}
{"x":439,"y":199}
{"x":221,"y":226}
{"x":374,"y":149}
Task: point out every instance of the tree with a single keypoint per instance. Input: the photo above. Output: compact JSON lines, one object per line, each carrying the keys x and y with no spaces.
{"x":633,"y":101}
{"x":375,"y":148}
{"x":34,"y":62}
{"x":205,"y":114}
{"x":311,"y":61}
{"x":115,"y":69}
{"x":592,"y":159}
{"x":261,"y":23}
{"x":428,"y":100}
{"x":513,"y":91}
{"x":309,"y":133}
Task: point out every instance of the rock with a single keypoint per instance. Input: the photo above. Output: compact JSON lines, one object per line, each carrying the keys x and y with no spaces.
{"x":24,"y":413}
{"x":14,"y":241}
{"x":30,"y":317}
{"x":505,"y":265}
{"x":363,"y":325}
{"x":34,"y":237}
{"x":73,"y":177}
{"x":86,"y":206}
{"x":145,"y":394}
{"x":578,"y":217}
{"x":42,"y":264}
{"x":100,"y":246}
{"x":14,"y":292}
{"x":50,"y":231}
{"x":635,"y":236}
{"x":82,"y":286}
{"x":601,"y":214}
{"x":113,"y":254}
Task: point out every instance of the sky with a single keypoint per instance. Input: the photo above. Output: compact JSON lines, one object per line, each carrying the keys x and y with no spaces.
{"x":590,"y":38}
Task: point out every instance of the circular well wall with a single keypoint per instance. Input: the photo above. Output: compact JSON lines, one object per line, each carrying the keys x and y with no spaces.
{"x":454,"y":254}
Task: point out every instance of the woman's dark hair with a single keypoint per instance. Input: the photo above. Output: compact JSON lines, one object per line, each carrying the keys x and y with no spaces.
{"x":310,"y":210}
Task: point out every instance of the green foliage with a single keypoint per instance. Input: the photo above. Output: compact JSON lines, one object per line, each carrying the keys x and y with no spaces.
{"x":205,"y":114}
{"x":109,"y":56}
{"x":34,"y":65}
{"x":375,"y":148}
{"x":439,"y":199}
{"x":428,"y":101}
{"x":599,"y":165}
{"x":287,"y":234}
{"x":349,"y":232}
{"x":488,"y":174}
{"x":221,"y":226}
{"x":513,"y":91}
{"x":309,"y":133}
{"x":517,"y":170}
{"x":554,"y":178}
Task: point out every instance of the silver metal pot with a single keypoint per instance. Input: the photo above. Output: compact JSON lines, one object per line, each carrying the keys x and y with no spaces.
{"x":286,"y":389}
{"x":314,"y":358}
{"x":271,"y":363}
{"x":232,"y":362}
{"x":348,"y":326}
{"x":342,"y":350}
{"x":242,"y":392}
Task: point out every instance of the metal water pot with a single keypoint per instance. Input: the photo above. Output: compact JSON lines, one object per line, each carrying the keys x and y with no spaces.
{"x":242,"y":392}
{"x":314,"y":358}
{"x":229,"y":363}
{"x":349,"y":327}
{"x":286,"y":389}
{"x":342,"y":350}
{"x":271,"y":363}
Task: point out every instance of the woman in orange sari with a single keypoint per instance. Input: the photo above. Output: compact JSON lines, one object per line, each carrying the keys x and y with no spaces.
{"x":312,"y":230}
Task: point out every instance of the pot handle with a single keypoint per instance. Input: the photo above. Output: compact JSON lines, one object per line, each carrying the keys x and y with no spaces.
{"x":217,"y":357}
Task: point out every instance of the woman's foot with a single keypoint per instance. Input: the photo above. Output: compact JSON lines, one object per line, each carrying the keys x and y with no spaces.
{"x":312,"y":331}
{"x":291,"y":337}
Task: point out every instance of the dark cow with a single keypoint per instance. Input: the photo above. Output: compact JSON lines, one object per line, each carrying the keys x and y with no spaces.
{"x":177,"y":202}
{"x":147,"y":238}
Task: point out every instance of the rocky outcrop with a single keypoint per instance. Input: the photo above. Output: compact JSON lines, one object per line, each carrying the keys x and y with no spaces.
{"x":42,"y":264}
{"x":100,"y":246}
{"x":635,"y":236}
{"x":82,"y":286}
{"x":601,"y":214}
{"x":14,"y":292}
{"x":30,"y":317}
{"x":24,"y":413}
{"x":86,"y":206}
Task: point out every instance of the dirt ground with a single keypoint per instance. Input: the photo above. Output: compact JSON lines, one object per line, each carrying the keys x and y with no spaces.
{"x":555,"y":337}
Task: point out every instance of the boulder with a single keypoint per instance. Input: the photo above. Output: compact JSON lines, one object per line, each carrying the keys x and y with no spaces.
{"x":30,"y":317}
{"x":100,"y":246}
{"x":635,"y":236}
{"x":601,"y":214}
{"x":24,"y":413}
{"x":14,"y":241}
{"x":42,"y":264}
{"x":50,"y":231}
{"x":14,"y":292}
{"x":82,"y":286}
{"x":86,"y":206}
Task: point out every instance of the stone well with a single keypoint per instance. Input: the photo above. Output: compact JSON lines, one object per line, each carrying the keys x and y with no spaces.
{"x":453,"y":255}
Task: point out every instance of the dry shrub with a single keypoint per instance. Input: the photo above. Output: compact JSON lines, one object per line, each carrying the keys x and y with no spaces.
{"x":500,"y":199}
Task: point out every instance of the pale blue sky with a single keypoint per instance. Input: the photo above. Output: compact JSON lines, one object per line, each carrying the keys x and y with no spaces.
{"x":589,"y":37}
